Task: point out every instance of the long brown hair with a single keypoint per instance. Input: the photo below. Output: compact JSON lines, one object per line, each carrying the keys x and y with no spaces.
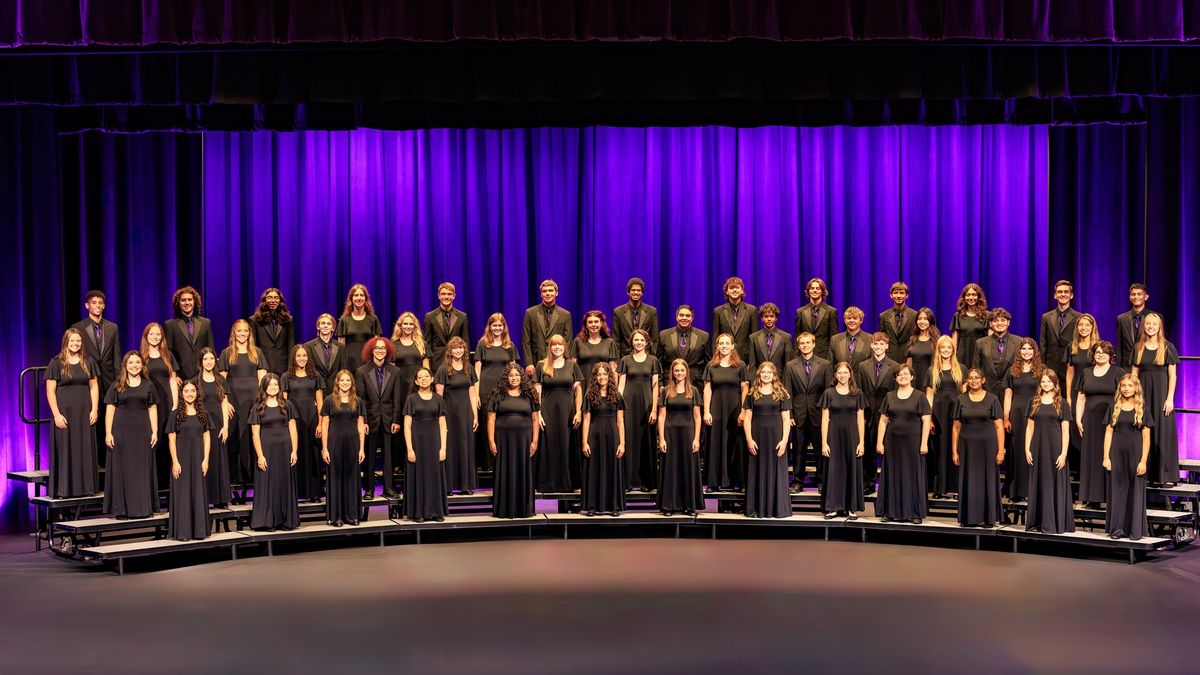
{"x":1035,"y":364}
{"x":1094,"y":338}
{"x":687,"y":380}
{"x":264,"y":314}
{"x":548,"y":362}
{"x":123,"y":375}
{"x":63,"y":355}
{"x":201,"y":410}
{"x":217,"y":379}
{"x":505,"y":339}
{"x":260,"y":400}
{"x":1037,"y":399}
{"x":610,"y":390}
{"x":734,"y":359}
{"x":162,"y":346}
{"x":348,"y":308}
{"x":604,"y":332}
{"x":851,"y":383}
{"x":251,"y":350}
{"x":934,"y":333}
{"x":352,"y":395}
{"x":778,"y":393}
{"x":292,"y":367}
{"x":466,"y":360}
{"x":981,"y":306}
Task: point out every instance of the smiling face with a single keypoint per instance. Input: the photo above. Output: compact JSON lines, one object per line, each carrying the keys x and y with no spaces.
{"x":815,"y":293}
{"x":1101,"y":358}
{"x":1128,"y":388}
{"x":974,"y":381}
{"x":513,"y":378}
{"x":496,"y":328}
{"x":154,"y":336}
{"x":241,"y":334}
{"x":1085,"y":327}
{"x":639,"y":343}
{"x":187,"y":303}
{"x":302,"y":358}
{"x":408,"y":326}
{"x":188,"y":394}
{"x":1063,"y":295}
{"x":74,"y":344}
{"x":1027,"y":352}
{"x":345,"y":382}
{"x":325,"y":327}
{"x":842,"y":374}
{"x":358,"y":299}
{"x":735,"y":293}
{"x":853,"y":322}
{"x":95,"y":307}
{"x":971,"y":297}
{"x":1138,"y":298}
{"x":899,"y":296}
{"x":208,"y":362}
{"x":557,"y":349}
{"x":806,"y":344}
{"x":379,"y":351}
{"x":999,"y":325}
{"x":946,"y":350}
{"x":593,"y":325}
{"x":769,"y":319}
{"x":457,"y":352}
{"x":133,"y":365}
{"x":1046,"y":384}
{"x":446,"y":297}
{"x":635,"y":293}
{"x":724,"y":346}
{"x":424,"y":378}
{"x":922,"y":322}
{"x":272,"y":299}
{"x":904,"y":377}
{"x":683,"y":319}
{"x":549,"y":293}
{"x":272,"y":387}
{"x":1152,"y":325}
{"x":602,"y":376}
{"x":879,"y":348}
{"x":679,"y":373}
{"x":767,"y":374}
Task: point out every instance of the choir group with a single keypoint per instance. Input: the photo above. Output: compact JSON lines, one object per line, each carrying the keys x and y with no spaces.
{"x":976,"y":413}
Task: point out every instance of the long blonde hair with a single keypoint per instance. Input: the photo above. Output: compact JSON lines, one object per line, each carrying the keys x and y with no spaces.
{"x":505,"y":340}
{"x":417,"y":338}
{"x":1037,"y":399}
{"x":548,"y":362}
{"x":63,"y":355}
{"x":250,"y":348}
{"x":1076,"y":341}
{"x":1160,"y":352}
{"x":144,"y":348}
{"x":734,"y":359}
{"x":956,"y":372}
{"x":1138,"y":402}
{"x":687,"y":381}
{"x":778,"y":393}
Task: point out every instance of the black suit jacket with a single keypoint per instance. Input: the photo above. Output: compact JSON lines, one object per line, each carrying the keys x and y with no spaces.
{"x":994,"y":364}
{"x":839,"y":346}
{"x":385,"y":406}
{"x":186,"y":348}
{"x":275,"y":344}
{"x":898,"y":335}
{"x":1053,"y":341}
{"x":697,"y":353}
{"x":107,"y":355}
{"x":1127,"y":338}
{"x":779,"y":353}
{"x":806,"y":388}
{"x":326,"y":369}
{"x":747,"y":323}
{"x":535,"y":334}
{"x":437,"y":337}
{"x":623,"y":327}
{"x":822,"y":329}
{"x":876,"y":388}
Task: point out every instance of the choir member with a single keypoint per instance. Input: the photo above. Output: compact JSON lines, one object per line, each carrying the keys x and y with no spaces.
{"x":736,"y":318}
{"x":131,"y":413}
{"x":1051,"y":509}
{"x":513,"y":427}
{"x":425,"y":437}
{"x":725,"y":386}
{"x":807,"y":377}
{"x":1126,"y":453}
{"x":593,"y":344}
{"x":343,"y":449}
{"x":274,"y":330}
{"x":1154,"y":363}
{"x":1078,"y":353}
{"x":303,"y":388}
{"x":603,"y":445}
{"x":560,"y":390}
{"x":898,"y":322}
{"x":243,"y":366}
{"x":189,"y":429}
{"x":457,"y":385}
{"x":540,"y":323}
{"x":412,"y":354}
{"x":817,"y":317}
{"x":903,"y":441}
{"x":161,"y":369}
{"x":685,"y":342}
{"x":970,"y":322}
{"x":273,"y":430}
{"x":187,"y":331}
{"x":102,"y":344}
{"x":994,"y":353}
{"x":767,"y":426}
{"x":1129,"y":324}
{"x":380,"y":388}
{"x":978,"y":448}
{"x":494,"y":351}
{"x":218,"y":402}
{"x":357,"y":324}
{"x":74,"y":398}
{"x":679,"y":488}
{"x":876,"y":377}
{"x":1057,"y":329}
{"x":637,"y":382}
{"x":918,"y":353}
{"x":1093,"y":412}
{"x":770,"y":343}
{"x":945,"y":382}
{"x":1020,"y":386}
{"x":842,"y":430}
{"x":443,"y":323}
{"x":851,"y":345}
{"x":633,"y":315}
{"x":325,"y":353}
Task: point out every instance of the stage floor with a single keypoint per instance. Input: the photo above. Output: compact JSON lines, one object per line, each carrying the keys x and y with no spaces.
{"x":609,"y":606}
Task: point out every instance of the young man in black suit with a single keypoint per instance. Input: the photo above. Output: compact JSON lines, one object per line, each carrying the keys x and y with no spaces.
{"x":540,"y":322}
{"x":876,"y":377}
{"x":735,"y":317}
{"x":851,"y":345}
{"x":325,"y":353}
{"x":817,"y":317}
{"x":444,"y":323}
{"x":806,"y":377}
{"x":633,"y":315}
{"x":102,"y":343}
{"x":898,"y":322}
{"x":994,"y":353}
{"x":687,"y":343}
{"x":1058,"y":329}
{"x":379,"y":386}
{"x":1129,"y":324}
{"x":187,"y":332}
{"x":770,"y":343}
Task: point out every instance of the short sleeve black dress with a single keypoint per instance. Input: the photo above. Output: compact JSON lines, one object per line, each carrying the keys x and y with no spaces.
{"x":767,"y":493}
{"x":73,"y":470}
{"x":356,"y":332}
{"x":902,"y":489}
{"x":156,"y":369}
{"x":679,"y":487}
{"x":189,"y":502}
{"x":921,"y":353}
{"x":588,"y":355}
{"x":241,"y":382}
{"x":603,"y":484}
{"x":945,"y":397}
{"x":216,"y":481}
{"x":978,"y":479}
{"x":970,"y":329}
{"x":513,"y":495}
{"x":460,"y":436}
{"x":1126,"y":515}
{"x":1016,"y":469}
{"x":492,"y":361}
{"x":132,"y":480}
{"x":275,"y":488}
{"x":1051,"y":505}
{"x":425,"y":481}
{"x":842,"y":490}
{"x":640,"y":436}
{"x":552,"y":464}
{"x":1098,"y":392}
{"x":343,"y":502}
{"x":1164,"y":440}
{"x":302,"y":394}
{"x":725,"y":459}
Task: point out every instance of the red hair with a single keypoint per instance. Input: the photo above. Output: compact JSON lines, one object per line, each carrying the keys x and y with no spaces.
{"x":369,"y":348}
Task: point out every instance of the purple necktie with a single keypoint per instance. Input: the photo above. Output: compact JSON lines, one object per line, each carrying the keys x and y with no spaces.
{"x":808,"y":367}
{"x":683,"y":340}
{"x":734,"y":311}
{"x":878,"y":368}
{"x":1062,"y":319}
{"x":637,"y":318}
{"x":379,"y":379}
{"x":99,"y":335}
{"x":899,"y":319}
{"x":189,"y":323}
{"x":1000,"y":345}
{"x":852,"y":341}
{"x":770,"y":340}
{"x":815,"y":313}
{"x":1137,"y":324}
{"x":326,"y":346}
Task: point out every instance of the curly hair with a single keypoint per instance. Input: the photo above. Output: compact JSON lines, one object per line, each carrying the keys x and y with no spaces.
{"x":593,"y":389}
{"x":366,"y":356}
{"x":201,"y":410}
{"x":450,"y":346}
{"x":179,"y":295}
{"x":1035,"y":365}
{"x":583,"y":331}
{"x":265,"y":314}
{"x":499,"y":391}
{"x":981,"y":306}
{"x":778,"y":393}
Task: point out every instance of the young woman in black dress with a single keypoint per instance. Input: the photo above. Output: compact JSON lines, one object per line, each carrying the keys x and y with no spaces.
{"x":1079,"y":353}
{"x":189,"y":440}
{"x":1020,"y":386}
{"x":921,"y":345}
{"x":725,"y":386}
{"x":216,"y":400}
{"x":945,"y":383}
{"x":1127,"y":444}
{"x":767,"y":426}
{"x":970,"y":322}
{"x":594,"y":344}
{"x":603,"y":444}
{"x":305,"y":391}
{"x":513,"y":428}
{"x":74,"y":396}
{"x":343,"y":449}
{"x":456,"y":384}
{"x":493,"y":352}
{"x":357,"y":324}
{"x":1154,"y":362}
{"x":131,"y":417}
{"x":243,"y":366}
{"x":1051,"y":508}
{"x":904,"y":422}
{"x":637,"y":382}
{"x":1093,"y":412}
{"x":411,"y":355}
{"x":978,"y":448}
{"x":843,"y":428}
{"x":273,"y":430}
{"x":679,"y":486}
{"x":560,"y":390}
{"x":425,"y":437}
{"x":161,"y":368}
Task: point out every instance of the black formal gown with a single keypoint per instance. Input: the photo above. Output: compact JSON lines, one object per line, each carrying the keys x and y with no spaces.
{"x":355,"y":333}
{"x":1126,"y":515}
{"x":275,"y":488}
{"x":1081,"y":361}
{"x":492,"y":361}
{"x":513,"y":495}
{"x":216,"y":481}
{"x":73,"y":471}
{"x":132,"y":489}
{"x":343,"y":500}
{"x":1016,"y":470}
{"x":409,"y":360}
{"x":1163,"y":466}
{"x":1051,"y":508}
{"x":588,"y":355}
{"x":641,"y":466}
{"x":425,"y":481}
{"x":921,"y":354}
{"x":679,"y":486}
{"x":843,"y":486}
{"x":189,"y":500}
{"x":552,"y":464}
{"x":156,"y":369}
{"x":767,"y":493}
{"x":1098,"y":392}
{"x":725,"y":459}
{"x":902,"y":491}
{"x":978,"y":479}
{"x":970,"y":329}
{"x":604,"y":483}
{"x":302,"y":394}
{"x":460,"y":436}
{"x":241,"y":381}
{"x":945,"y":397}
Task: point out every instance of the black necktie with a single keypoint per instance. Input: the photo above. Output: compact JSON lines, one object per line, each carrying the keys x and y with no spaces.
{"x":637,"y":318}
{"x":816,"y":312}
{"x":446,"y":321}
{"x":547,"y":312}
{"x":326,"y":347}
{"x":734,"y":311}
{"x":899,"y":319}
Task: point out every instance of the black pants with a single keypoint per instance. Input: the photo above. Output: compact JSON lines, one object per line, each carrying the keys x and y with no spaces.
{"x":869,"y":458}
{"x":379,"y":439}
{"x":805,"y":434}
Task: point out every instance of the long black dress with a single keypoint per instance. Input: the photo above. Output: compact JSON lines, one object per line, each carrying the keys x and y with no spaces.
{"x":241,"y":381}
{"x":343,"y":501}
{"x":73,"y":471}
{"x":588,"y":355}
{"x":767,"y":493}
{"x":902,"y":492}
{"x":978,"y":479}
{"x":1081,"y":360}
{"x":679,"y":486}
{"x":551,"y":463}
{"x":1098,"y":394}
{"x":970,"y":329}
{"x":1016,"y":470}
{"x":921,"y":353}
{"x":189,"y":501}
{"x":1051,"y":508}
{"x":945,"y":396}
{"x":603,"y":484}
{"x":156,"y":369}
{"x":460,"y":437}
{"x":216,"y":481}
{"x":355,"y":333}
{"x":1126,"y":514}
{"x":425,"y":481}
{"x":725,"y":459}
{"x":302,"y":394}
{"x":843,"y":486}
{"x":409,"y":360}
{"x":640,"y":457}
{"x":492,"y":361}
{"x":132,"y":488}
{"x":275,"y":488}
{"x":513,"y":496}
{"x":1163,"y":465}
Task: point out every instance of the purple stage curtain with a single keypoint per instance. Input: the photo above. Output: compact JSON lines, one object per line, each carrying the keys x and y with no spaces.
{"x":147,"y":22}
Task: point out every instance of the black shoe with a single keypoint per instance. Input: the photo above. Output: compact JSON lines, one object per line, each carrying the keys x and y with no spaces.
{"x":1115,"y":535}
{"x":391,"y":494}
{"x":938,"y":495}
{"x":337,"y":523}
{"x":418,"y":520}
{"x":752,"y":514}
{"x":615,"y":514}
{"x":589,"y":514}
{"x":468,"y":492}
{"x":352,"y":521}
{"x":439,"y":519}
{"x":885,"y":519}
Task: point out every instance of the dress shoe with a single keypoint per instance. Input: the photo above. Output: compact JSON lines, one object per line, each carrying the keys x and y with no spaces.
{"x":352,"y":521}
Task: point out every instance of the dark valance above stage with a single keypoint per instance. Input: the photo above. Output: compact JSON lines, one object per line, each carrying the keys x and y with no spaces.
{"x":187,"y":22}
